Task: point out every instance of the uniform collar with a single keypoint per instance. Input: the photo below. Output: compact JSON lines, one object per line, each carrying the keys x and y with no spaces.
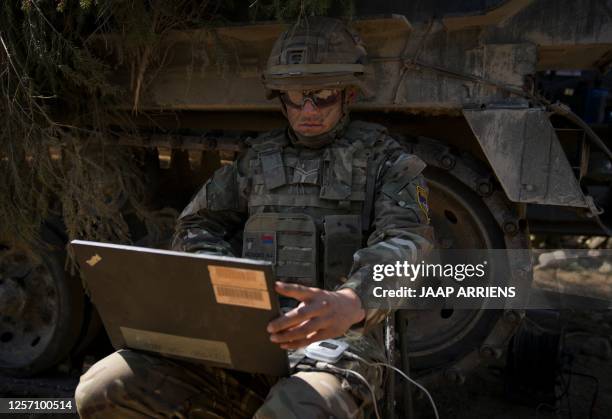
{"x":319,"y":141}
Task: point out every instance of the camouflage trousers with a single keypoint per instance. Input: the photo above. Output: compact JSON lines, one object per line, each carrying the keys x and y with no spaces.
{"x":132,"y":384}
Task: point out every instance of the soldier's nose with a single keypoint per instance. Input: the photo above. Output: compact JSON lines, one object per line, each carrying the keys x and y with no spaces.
{"x":309,"y":107}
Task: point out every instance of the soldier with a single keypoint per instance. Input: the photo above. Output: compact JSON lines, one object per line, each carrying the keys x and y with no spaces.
{"x":324,"y":199}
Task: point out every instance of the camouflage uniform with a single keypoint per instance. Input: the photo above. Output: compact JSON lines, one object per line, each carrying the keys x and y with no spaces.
{"x":324,"y":216}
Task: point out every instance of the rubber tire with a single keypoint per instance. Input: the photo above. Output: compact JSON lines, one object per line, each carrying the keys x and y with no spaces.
{"x":69,"y":323}
{"x":473,"y":339}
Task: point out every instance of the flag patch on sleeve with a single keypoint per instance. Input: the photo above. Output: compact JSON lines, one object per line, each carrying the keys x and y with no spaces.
{"x":422,"y":200}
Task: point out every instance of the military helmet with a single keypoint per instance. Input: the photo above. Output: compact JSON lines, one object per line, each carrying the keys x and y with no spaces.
{"x":317,"y":52}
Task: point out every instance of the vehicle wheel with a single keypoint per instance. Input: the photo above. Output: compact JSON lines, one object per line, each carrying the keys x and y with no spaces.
{"x":42,"y":312}
{"x":468,"y":211}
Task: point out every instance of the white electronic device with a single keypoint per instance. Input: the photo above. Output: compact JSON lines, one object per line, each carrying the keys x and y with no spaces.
{"x":328,"y":350}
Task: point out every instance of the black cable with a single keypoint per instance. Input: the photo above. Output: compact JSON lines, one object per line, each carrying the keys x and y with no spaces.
{"x":557,"y":108}
{"x":565,"y":111}
{"x":415,"y":64}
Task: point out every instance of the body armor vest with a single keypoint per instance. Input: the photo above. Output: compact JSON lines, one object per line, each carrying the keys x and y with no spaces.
{"x":308,"y":208}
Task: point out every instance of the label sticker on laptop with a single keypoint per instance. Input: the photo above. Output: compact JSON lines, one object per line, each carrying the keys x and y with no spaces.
{"x":146,"y":340}
{"x":240,"y":287}
{"x":93,"y":261}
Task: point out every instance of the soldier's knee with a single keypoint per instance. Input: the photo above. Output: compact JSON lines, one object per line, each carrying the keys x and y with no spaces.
{"x":310,"y":394}
{"x":80,"y":397}
{"x":102,"y":385}
{"x":88,"y":399}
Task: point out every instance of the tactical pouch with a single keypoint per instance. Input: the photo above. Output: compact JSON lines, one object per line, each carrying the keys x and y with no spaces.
{"x":287,"y":240}
{"x":338,"y":174}
{"x":273,"y":168}
{"x":341,"y":239}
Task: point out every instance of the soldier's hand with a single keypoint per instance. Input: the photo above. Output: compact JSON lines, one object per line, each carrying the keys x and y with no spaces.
{"x":320,"y":315}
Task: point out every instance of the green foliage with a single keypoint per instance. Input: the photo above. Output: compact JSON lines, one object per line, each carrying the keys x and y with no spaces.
{"x":295,"y":9}
{"x":56,"y":110}
{"x":58,"y":104}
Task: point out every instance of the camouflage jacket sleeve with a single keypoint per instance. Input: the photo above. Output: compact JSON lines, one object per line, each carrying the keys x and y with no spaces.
{"x":211,"y":223}
{"x":400,"y":225}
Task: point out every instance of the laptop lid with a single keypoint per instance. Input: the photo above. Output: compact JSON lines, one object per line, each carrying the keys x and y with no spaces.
{"x":201,"y":308}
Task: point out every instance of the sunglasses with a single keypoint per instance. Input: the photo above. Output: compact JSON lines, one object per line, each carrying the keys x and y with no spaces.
{"x":319,"y":98}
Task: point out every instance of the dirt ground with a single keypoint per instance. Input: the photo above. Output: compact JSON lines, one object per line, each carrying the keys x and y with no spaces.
{"x":481,"y":396}
{"x":584,"y":378}
{"x":53,"y":384}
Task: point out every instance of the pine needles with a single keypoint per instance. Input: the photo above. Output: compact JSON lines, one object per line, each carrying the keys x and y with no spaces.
{"x":295,"y":9}
{"x":55,"y":157}
{"x":58,"y":104}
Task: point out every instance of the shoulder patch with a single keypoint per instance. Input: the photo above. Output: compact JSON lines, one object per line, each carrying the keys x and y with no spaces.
{"x":366,"y":132}
{"x":271,"y":139}
{"x":422,"y":195}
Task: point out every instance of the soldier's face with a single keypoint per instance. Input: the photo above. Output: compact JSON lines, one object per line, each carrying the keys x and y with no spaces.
{"x":308,"y":118}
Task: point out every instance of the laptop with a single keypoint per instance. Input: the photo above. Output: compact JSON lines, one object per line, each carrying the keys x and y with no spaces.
{"x":201,"y":308}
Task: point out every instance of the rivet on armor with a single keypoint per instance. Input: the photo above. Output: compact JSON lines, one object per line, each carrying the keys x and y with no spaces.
{"x":510,"y":227}
{"x":447,"y":162}
{"x":485,"y":188}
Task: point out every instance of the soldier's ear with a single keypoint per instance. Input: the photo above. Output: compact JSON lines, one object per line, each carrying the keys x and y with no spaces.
{"x":283,"y":106}
{"x":350,"y":95}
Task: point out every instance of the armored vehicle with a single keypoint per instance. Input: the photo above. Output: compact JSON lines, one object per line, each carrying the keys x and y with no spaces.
{"x":475,"y":88}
